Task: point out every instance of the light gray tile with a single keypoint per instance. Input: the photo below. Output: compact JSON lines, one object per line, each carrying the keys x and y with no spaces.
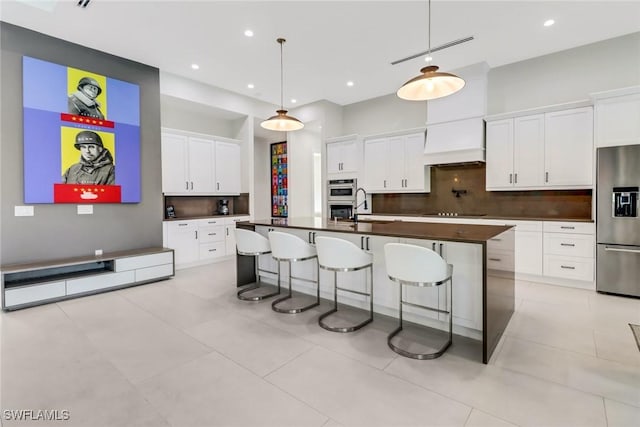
{"x":553,"y":294}
{"x":213,"y":391}
{"x":619,"y":348}
{"x":353,"y":393}
{"x":514,"y":397}
{"x":621,"y":415}
{"x":136,"y":342}
{"x":587,"y":373}
{"x":171,"y":304}
{"x":482,"y":419}
{"x":255,"y":345}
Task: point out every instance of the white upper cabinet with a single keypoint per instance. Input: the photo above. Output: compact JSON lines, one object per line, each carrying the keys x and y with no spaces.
{"x":395,"y":164}
{"x":227,"y":171}
{"x":569,"y":147}
{"x":343,"y":155}
{"x":551,"y":150}
{"x":199,"y":165}
{"x":617,"y":117}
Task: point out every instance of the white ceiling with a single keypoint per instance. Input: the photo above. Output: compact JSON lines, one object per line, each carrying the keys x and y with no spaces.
{"x":328,"y":42}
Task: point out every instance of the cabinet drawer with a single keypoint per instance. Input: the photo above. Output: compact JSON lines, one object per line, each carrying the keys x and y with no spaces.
{"x":214,"y":233}
{"x":504,"y":242}
{"x":27,"y":294}
{"x":580,"y":245}
{"x":131,"y":263}
{"x":568,"y":267}
{"x":211,"y":222}
{"x":101,"y":281}
{"x":569,"y":227}
{"x":176,"y":226}
{"x":212,"y":250}
{"x":155,"y":272}
{"x":500,"y":260}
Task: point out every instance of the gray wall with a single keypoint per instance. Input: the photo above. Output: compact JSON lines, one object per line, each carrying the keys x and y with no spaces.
{"x":566,"y":76}
{"x":57,"y":231}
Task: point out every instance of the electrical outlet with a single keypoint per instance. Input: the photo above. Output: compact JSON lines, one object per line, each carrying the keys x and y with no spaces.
{"x":98,"y":252}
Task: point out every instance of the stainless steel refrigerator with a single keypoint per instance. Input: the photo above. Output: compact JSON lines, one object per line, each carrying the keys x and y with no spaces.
{"x":617,"y":220}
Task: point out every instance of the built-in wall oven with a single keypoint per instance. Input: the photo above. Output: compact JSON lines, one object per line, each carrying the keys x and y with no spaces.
{"x":341,"y":198}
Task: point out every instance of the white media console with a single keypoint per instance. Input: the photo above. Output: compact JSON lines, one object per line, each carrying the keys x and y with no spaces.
{"x":26,"y":285}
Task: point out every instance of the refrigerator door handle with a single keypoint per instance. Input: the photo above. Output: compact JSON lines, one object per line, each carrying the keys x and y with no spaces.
{"x":612,"y":249}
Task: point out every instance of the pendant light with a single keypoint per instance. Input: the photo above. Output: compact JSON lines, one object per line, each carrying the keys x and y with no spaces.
{"x":431,"y":84}
{"x":281,"y":121}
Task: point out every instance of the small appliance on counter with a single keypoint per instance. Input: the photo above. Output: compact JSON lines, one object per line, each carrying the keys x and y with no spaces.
{"x":223,"y":207}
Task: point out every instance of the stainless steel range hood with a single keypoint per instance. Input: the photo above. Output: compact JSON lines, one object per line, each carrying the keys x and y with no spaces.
{"x":455,"y":142}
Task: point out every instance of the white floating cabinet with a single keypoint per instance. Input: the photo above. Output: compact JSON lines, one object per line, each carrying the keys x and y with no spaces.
{"x":617,"y":117}
{"x":344,"y":156}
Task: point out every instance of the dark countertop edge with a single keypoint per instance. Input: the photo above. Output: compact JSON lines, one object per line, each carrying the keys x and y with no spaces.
{"x":498,"y":229}
{"x":204,"y":217}
{"x":513,"y":218}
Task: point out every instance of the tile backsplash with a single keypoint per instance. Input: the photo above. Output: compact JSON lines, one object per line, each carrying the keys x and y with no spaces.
{"x":473,"y":199}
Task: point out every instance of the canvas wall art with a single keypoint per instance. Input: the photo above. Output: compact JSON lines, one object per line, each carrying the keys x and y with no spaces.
{"x":81,"y":136}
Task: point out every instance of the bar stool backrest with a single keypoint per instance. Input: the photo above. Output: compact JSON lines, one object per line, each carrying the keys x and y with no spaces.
{"x":411,"y":263}
{"x":340,"y":253}
{"x":288,"y":246}
{"x":250,"y":242}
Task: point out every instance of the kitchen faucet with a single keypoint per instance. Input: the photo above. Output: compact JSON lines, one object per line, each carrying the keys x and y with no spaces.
{"x":364,"y":202}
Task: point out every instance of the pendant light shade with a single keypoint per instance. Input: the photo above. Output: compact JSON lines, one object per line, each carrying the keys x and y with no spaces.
{"x":431,"y":84}
{"x":282,"y":121}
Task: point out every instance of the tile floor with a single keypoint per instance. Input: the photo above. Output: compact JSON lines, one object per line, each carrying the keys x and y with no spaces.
{"x":186,"y":352}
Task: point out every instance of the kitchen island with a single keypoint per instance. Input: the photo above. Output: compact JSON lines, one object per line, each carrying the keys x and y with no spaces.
{"x":481,"y":255}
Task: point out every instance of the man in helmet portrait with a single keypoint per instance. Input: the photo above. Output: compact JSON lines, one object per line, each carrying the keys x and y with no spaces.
{"x":83,"y":102}
{"x":95,"y":165}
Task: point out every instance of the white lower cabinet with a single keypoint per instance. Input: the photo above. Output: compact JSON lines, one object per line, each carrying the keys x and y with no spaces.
{"x":199,"y":241}
{"x":569,"y":250}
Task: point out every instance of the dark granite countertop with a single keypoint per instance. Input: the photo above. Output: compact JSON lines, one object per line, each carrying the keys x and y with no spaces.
{"x":479,"y":216}
{"x":415,"y":230}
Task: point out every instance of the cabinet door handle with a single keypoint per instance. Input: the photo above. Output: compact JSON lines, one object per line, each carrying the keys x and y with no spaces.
{"x":567,"y":267}
{"x":227,"y":231}
{"x":217,"y":186}
{"x":362,"y":242}
{"x":441,"y":246}
{"x":567,"y":227}
{"x":212,"y":250}
{"x":309,"y":237}
{"x":546,"y":177}
{"x":495,"y":259}
{"x":314,"y":237}
{"x":433,"y":246}
{"x":196,"y":234}
{"x":192,"y":185}
{"x":567,"y":244}
{"x":187,"y":185}
{"x":385,"y":183}
{"x":212,"y":234}
{"x":367,"y":243}
{"x":497,"y":240}
{"x":515,"y":178}
{"x":184,"y":224}
{"x":510,"y":178}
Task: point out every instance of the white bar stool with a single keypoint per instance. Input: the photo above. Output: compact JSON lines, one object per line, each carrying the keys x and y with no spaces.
{"x":418,"y":266}
{"x":341,"y":255}
{"x":250,"y":243}
{"x":288,"y":248}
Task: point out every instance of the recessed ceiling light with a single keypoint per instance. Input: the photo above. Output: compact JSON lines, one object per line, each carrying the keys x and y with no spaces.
{"x":250,"y":86}
{"x":549,"y":22}
{"x":248,"y":33}
{"x":349,"y":83}
{"x":293,"y":101}
{"x":195,"y":66}
{"x":428,"y":58}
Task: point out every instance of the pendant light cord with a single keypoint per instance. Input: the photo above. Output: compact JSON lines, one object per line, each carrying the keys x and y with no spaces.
{"x":429,"y":28}
{"x":281,"y":41}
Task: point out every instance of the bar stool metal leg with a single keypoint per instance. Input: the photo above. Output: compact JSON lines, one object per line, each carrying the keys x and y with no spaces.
{"x":241,"y":293}
{"x":352,"y":328}
{"x":274,"y":304}
{"x":443,"y":348}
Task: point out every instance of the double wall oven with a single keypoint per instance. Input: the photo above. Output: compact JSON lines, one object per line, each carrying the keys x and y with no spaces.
{"x":341,"y":198}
